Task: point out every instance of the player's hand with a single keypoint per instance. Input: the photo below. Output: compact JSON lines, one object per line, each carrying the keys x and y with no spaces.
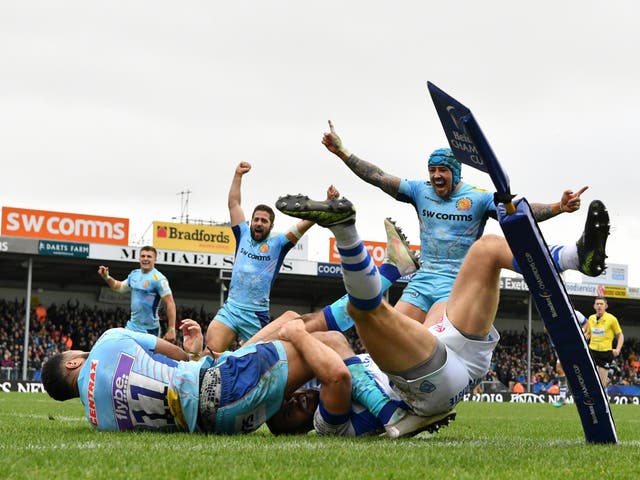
{"x":332,"y":141}
{"x":103,"y":272}
{"x":292,"y":330}
{"x":192,"y":340}
{"x":332,"y":192}
{"x":170,"y":335}
{"x":242,"y":168}
{"x":570,"y":201}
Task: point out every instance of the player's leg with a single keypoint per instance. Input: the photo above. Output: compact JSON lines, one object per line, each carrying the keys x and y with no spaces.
{"x":364,"y":388}
{"x":219,"y":336}
{"x":474,"y":298}
{"x":562,"y":385}
{"x":396,"y":342}
{"x":603,"y":373}
{"x":425,"y":298}
{"x":588,"y":254}
{"x":473,"y":302}
{"x":399,"y":262}
{"x":411,"y":310}
{"x":270,"y":331}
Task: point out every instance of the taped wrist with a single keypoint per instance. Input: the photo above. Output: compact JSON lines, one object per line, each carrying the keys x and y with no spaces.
{"x":295,"y":232}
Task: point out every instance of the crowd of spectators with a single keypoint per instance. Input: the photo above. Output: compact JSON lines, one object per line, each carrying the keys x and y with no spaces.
{"x":509,"y":362}
{"x":55,"y":328}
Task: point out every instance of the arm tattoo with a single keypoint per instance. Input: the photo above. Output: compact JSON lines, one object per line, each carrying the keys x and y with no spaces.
{"x":542,"y":212}
{"x":373,"y":175}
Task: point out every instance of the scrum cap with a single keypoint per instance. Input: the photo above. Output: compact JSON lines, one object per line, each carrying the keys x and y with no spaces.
{"x":445,"y":157}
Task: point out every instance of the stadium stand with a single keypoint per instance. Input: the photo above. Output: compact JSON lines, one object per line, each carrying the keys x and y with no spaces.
{"x":76,"y":326}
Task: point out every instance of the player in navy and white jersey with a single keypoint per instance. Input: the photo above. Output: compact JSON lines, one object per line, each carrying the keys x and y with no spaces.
{"x":369,"y":407}
{"x":358,"y":402}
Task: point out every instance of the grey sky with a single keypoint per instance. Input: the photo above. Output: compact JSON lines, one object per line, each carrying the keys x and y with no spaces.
{"x":112,"y":108}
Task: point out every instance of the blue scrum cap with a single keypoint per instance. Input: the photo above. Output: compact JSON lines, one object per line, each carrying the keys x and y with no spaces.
{"x":445,"y":157}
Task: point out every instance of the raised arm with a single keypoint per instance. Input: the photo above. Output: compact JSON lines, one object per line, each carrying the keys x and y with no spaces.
{"x":569,"y":202}
{"x":236,"y":215}
{"x":115,"y":285}
{"x":368,"y":172}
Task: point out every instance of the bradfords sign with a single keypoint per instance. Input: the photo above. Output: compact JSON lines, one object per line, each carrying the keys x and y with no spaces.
{"x":72,"y":227}
{"x":194,"y":238}
{"x":189,"y":237}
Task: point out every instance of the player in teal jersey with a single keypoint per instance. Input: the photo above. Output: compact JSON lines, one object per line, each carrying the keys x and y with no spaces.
{"x":136,"y":381}
{"x":258,"y":258}
{"x":452,"y":216}
{"x":148,"y":286}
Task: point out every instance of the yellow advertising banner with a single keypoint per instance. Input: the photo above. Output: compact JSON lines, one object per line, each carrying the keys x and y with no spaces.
{"x":615,"y":291}
{"x":193,"y":238}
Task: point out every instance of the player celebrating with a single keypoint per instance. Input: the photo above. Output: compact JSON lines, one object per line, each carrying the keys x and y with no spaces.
{"x":452,"y":215}
{"x":148,"y":286}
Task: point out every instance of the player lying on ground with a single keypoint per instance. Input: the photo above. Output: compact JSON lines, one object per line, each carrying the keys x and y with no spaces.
{"x":364,"y":402}
{"x":433,"y":365}
{"x":132,"y":381}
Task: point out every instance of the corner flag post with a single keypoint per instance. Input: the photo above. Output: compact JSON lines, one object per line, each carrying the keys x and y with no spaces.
{"x":532,"y":254}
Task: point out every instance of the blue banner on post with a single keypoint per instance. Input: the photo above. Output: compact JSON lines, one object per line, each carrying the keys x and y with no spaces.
{"x":553,"y":304}
{"x":466,"y":138}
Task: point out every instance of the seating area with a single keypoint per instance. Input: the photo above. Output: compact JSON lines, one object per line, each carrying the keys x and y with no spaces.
{"x":54,"y":328}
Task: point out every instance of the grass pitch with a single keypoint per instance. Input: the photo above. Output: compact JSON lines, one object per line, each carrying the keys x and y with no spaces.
{"x":44,"y":439}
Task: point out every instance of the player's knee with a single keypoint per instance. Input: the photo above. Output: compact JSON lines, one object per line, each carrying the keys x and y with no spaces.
{"x":487,"y":248}
{"x":336,"y":341}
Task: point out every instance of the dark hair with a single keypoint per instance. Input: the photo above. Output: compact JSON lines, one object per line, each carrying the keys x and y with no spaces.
{"x":279,"y":424}
{"x":54,"y":379}
{"x":149,"y":248}
{"x":265,"y":208}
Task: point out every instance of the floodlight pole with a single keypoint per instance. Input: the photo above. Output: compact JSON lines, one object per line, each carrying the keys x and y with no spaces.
{"x":27,"y":308}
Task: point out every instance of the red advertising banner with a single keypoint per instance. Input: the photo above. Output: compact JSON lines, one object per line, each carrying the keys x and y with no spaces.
{"x":377,"y":250}
{"x":72,"y":227}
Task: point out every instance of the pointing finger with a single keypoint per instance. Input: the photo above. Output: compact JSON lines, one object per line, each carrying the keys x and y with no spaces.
{"x":581,"y":191}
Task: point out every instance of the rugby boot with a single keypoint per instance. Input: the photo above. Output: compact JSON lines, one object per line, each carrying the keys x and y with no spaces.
{"x":592,"y":243}
{"x":399,"y":252}
{"x":411,"y":424}
{"x":325,"y":213}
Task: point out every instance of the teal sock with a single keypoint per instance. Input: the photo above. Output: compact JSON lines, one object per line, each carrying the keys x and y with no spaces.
{"x":366,"y":391}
